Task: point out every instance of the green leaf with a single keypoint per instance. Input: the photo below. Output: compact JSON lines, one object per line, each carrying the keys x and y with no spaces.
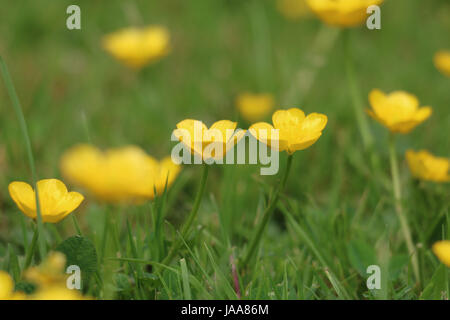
{"x":81,"y":252}
{"x":435,"y":290}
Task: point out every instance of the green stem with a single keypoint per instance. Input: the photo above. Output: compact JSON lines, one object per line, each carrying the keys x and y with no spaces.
{"x":191,"y":218}
{"x":267,"y":214}
{"x":31,"y":249}
{"x":23,"y":127}
{"x":355,"y":94}
{"x":399,"y":208}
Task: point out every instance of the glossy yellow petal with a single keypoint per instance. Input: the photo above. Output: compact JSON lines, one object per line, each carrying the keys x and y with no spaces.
{"x":225,"y":127}
{"x":265,"y":133}
{"x":52,"y":193}
{"x":304,"y":143}
{"x":442,"y":250}
{"x":54,"y":200}
{"x":24,"y":197}
{"x":283,"y":119}
{"x":314,"y":122}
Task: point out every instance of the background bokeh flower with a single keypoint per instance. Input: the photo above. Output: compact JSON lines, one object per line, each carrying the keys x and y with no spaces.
{"x":425,"y":166}
{"x":342,"y":13}
{"x":398,"y":111}
{"x":254,"y":107}
{"x":137,"y":47}
{"x":442,"y":250}
{"x":124,"y":174}
{"x":442,"y":62}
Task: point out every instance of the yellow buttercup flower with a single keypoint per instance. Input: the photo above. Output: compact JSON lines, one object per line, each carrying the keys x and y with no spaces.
{"x":254,"y":107}
{"x":54,"y":199}
{"x":442,"y":62}
{"x":293,"y":9}
{"x":442,"y":250}
{"x":124,"y":174}
{"x":50,"y":272}
{"x":50,"y":279}
{"x":425,"y":166}
{"x":57,"y":293}
{"x":295,"y":130}
{"x":7,"y":288}
{"x":137,"y":47}
{"x":342,"y":13}
{"x":398,"y":111}
{"x":212,"y":143}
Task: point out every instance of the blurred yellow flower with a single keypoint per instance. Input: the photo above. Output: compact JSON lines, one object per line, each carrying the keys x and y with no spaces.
{"x":425,"y":166}
{"x":7,"y":288}
{"x":54,"y":199}
{"x":295,"y":130}
{"x":254,"y":107}
{"x":137,"y":47}
{"x":442,"y":62}
{"x":212,"y":143}
{"x":293,"y":9}
{"x":442,"y":250}
{"x":50,"y":272}
{"x":57,"y":293}
{"x":342,"y":13}
{"x":50,"y":279}
{"x":124,"y":174}
{"x":398,"y":111}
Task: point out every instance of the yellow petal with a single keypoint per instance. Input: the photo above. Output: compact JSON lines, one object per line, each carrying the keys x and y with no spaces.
{"x":52,"y":193}
{"x":442,"y":250}
{"x":286,"y":118}
{"x":264,"y":132}
{"x":378,"y":101}
{"x":24,"y":197}
{"x":66,"y":206}
{"x":314,"y":122}
{"x":423,"y":114}
{"x":6,"y":286}
{"x":225,"y":127}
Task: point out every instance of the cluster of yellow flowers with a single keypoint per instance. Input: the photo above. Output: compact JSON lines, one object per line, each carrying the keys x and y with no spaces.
{"x":398,"y":111}
{"x":49,"y":279}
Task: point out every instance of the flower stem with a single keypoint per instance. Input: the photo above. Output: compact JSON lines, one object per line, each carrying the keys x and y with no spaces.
{"x":267,"y":214}
{"x":399,"y":208}
{"x":23,"y":127}
{"x":31,"y":249}
{"x":355,"y":94}
{"x":191,"y":218}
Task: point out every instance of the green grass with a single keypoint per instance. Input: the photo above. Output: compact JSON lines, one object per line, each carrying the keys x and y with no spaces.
{"x":336,"y":215}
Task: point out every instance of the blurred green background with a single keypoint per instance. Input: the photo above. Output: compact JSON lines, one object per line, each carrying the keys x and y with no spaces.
{"x":72,"y":91}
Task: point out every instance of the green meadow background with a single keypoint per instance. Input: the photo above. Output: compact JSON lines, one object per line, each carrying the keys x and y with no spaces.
{"x":337,"y":214}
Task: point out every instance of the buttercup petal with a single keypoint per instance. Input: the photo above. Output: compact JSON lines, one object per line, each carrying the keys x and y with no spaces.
{"x":314,"y":122}
{"x":24,"y":197}
{"x":285,"y":118}
{"x":263,"y":132}
{"x":51,"y":194}
{"x":423,"y":114}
